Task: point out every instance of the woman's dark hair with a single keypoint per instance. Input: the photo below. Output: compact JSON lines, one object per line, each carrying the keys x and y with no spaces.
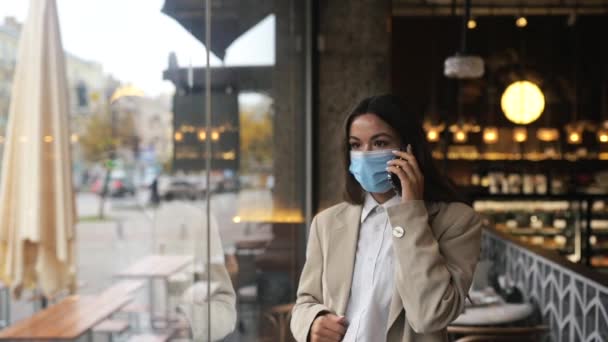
{"x":437,"y":187}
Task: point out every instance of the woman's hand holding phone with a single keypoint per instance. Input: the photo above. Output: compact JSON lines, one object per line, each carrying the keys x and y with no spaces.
{"x":406,"y":168}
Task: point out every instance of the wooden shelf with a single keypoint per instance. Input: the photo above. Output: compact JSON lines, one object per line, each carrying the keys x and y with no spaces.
{"x":587,"y":251}
{"x":524,"y":161}
{"x":514,"y":232}
{"x":547,"y":197}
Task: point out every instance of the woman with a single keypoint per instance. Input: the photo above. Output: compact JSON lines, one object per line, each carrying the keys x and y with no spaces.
{"x":387,"y":265}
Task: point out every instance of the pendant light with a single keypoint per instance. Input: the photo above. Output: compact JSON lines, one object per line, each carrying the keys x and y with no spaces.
{"x":520,"y":134}
{"x":432,"y":126}
{"x":546,"y":133}
{"x":461,"y":129}
{"x":602,"y":132}
{"x":520,"y":20}
{"x":490,"y":133}
{"x":574,"y":129}
{"x":472,"y":23}
{"x":432,"y":122}
{"x":463,"y":65}
{"x":522,"y":101}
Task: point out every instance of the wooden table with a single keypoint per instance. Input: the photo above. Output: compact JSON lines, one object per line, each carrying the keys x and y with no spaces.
{"x":69,"y":319}
{"x":156,"y":267}
{"x":124,"y":287}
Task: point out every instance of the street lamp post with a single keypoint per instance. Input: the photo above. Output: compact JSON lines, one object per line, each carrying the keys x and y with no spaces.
{"x":126,"y":91}
{"x":109,"y":164}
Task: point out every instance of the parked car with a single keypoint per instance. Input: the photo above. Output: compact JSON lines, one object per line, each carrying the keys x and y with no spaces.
{"x":179,"y":189}
{"x":119,"y":185}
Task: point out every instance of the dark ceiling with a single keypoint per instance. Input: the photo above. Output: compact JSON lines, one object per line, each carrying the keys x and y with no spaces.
{"x":565,"y":60}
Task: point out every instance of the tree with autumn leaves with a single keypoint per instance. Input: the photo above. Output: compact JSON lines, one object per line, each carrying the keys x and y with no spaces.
{"x":102,"y":137}
{"x":256,"y":142}
{"x":105,"y":134}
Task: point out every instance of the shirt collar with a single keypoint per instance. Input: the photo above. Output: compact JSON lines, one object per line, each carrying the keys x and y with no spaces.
{"x":370,"y":204}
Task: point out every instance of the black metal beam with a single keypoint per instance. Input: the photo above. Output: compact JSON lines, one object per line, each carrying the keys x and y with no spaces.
{"x":406,"y":9}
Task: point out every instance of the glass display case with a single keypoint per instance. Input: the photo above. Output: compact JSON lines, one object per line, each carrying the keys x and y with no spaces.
{"x":574,"y":225}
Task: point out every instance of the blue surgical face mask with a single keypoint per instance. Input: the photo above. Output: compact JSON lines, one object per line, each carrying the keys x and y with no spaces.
{"x":369,"y":169}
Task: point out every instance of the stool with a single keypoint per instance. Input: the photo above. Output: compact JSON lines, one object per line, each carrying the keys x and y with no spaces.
{"x":279,"y":317}
{"x":111,"y":327}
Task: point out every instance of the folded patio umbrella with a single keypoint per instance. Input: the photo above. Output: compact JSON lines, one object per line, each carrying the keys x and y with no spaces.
{"x":37,"y":208}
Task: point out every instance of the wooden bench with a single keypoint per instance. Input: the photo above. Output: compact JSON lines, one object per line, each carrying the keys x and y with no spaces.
{"x":150,"y":338}
{"x":114,"y":326}
{"x":111,"y":327}
{"x":69,"y":319}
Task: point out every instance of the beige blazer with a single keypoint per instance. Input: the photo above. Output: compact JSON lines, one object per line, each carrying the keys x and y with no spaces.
{"x":436,"y":258}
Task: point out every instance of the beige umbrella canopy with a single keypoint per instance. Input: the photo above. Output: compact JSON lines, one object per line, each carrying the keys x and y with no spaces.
{"x":37,"y":209}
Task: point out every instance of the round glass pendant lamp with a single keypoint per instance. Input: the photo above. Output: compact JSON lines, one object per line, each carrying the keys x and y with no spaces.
{"x":522,"y":102}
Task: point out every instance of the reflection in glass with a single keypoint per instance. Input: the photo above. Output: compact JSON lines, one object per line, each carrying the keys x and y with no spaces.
{"x":181,"y":230}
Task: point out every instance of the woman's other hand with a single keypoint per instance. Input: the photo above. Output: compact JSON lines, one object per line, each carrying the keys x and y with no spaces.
{"x":328,"y":328}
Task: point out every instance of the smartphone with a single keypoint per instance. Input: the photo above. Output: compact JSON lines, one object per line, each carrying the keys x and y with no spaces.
{"x":395,"y":181}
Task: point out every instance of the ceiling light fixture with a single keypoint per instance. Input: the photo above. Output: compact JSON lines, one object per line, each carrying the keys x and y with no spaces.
{"x":522,"y":102}
{"x":462,"y":65}
{"x":520,"y":134}
{"x":471,"y":24}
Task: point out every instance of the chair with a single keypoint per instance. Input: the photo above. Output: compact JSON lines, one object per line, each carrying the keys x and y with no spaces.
{"x":177,"y":284}
{"x":134,"y":311}
{"x":505,"y":334}
{"x":127,"y":287}
{"x":111,"y":328}
{"x":279,"y":316}
{"x":245,"y":280}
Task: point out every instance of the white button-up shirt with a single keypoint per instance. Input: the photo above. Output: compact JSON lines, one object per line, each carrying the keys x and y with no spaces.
{"x":372,"y":286}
